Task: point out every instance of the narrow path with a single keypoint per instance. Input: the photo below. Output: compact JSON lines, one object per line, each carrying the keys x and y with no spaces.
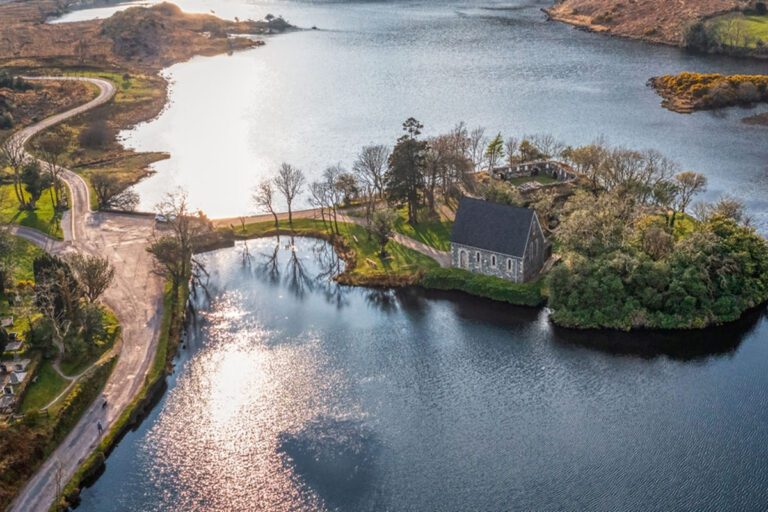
{"x":136,"y":297}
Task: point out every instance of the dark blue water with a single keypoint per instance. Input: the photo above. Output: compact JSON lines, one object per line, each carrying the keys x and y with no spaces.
{"x":297,"y":394}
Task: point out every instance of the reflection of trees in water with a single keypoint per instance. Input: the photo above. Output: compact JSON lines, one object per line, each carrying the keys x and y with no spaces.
{"x":329,"y":266}
{"x":245,"y":255}
{"x":382,"y":299}
{"x":297,"y":280}
{"x":677,"y":345}
{"x":268,"y":264}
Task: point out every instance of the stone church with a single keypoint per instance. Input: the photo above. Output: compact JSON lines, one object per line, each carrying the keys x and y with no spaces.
{"x":498,"y":240}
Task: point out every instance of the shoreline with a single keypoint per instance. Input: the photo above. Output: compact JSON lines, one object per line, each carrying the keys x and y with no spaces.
{"x":418,"y":283}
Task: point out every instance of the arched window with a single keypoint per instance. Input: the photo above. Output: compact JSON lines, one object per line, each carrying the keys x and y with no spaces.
{"x":493,"y":260}
{"x":463,"y":260}
{"x":477,"y":257}
{"x":509,"y":264}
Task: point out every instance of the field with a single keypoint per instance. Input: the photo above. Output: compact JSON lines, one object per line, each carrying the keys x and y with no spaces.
{"x":742,"y":30}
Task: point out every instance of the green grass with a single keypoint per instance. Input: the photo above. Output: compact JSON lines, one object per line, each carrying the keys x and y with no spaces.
{"x":754,"y":27}
{"x":433,"y":233}
{"x":519,"y":294}
{"x":48,"y":386}
{"x":400,"y":261}
{"x":23,"y":254}
{"x":544,"y":180}
{"x":44,"y":218}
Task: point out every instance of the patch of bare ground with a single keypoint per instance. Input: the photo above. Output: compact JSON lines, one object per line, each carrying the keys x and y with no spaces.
{"x":658,"y":21}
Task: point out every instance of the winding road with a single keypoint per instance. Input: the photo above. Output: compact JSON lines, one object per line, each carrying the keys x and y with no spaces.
{"x":136,"y":297}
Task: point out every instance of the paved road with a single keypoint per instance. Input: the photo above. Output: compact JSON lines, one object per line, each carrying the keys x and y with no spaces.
{"x":135,"y":296}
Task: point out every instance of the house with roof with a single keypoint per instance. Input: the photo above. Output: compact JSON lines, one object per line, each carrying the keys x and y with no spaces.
{"x":498,"y":240}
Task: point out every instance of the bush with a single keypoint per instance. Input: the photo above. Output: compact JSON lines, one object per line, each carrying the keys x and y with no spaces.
{"x":6,"y":121}
{"x":526,"y":294}
{"x":96,"y":135}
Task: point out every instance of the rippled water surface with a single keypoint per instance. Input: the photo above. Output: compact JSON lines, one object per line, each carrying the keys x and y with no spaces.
{"x":296,"y":394}
{"x":313,"y":98}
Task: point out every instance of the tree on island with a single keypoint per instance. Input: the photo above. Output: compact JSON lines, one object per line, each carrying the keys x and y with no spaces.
{"x":404,"y":182}
{"x":289,"y":182}
{"x":688,"y":184}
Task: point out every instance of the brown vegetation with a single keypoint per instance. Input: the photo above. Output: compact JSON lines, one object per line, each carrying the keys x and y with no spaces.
{"x":139,"y":37}
{"x":688,"y":92}
{"x":659,"y":21}
{"x":41,"y":100}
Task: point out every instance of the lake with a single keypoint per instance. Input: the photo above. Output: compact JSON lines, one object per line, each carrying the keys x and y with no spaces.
{"x":294,"y":393}
{"x":314,"y":97}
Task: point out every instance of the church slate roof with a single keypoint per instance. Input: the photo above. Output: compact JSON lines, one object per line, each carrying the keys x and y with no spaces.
{"x":492,"y":226}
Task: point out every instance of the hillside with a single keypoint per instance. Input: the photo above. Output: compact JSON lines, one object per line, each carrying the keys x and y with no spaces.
{"x":661,"y":21}
{"x":139,"y":37}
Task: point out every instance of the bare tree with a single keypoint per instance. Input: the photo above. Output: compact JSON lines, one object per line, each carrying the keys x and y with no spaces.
{"x":688,"y":185}
{"x":290,"y":182}
{"x":334,"y":194}
{"x":12,"y":151}
{"x":318,"y":197}
{"x":477,"y":143}
{"x":173,"y":251}
{"x":370,"y":166}
{"x":511,"y":145}
{"x":93,"y":273}
{"x":263,"y":199}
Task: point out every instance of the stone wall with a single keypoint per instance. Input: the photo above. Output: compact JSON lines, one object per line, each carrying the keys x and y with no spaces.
{"x":482,"y":262}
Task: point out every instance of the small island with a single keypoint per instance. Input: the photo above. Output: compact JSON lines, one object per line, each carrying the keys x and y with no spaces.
{"x":606,"y":237}
{"x":689,"y":92}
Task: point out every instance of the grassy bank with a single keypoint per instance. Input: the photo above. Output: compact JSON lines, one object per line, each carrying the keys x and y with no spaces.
{"x":489,"y":287}
{"x":741,"y":30}
{"x":43,"y":218}
{"x":172,"y":322}
{"x":364,"y":264}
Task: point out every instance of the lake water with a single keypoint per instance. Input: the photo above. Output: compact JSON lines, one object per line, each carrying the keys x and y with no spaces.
{"x":294,"y":393}
{"x":314,"y":97}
